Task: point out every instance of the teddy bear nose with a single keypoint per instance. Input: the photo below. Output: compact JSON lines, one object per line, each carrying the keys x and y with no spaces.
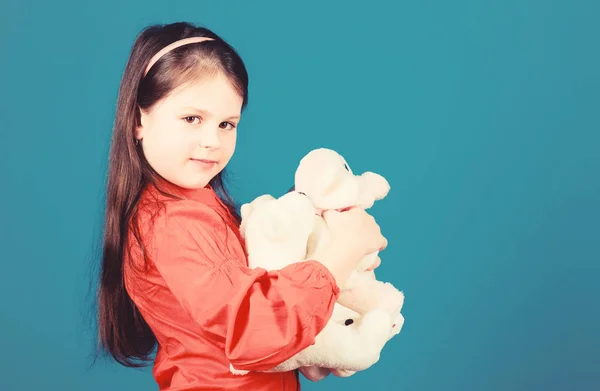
{"x":348,"y":322}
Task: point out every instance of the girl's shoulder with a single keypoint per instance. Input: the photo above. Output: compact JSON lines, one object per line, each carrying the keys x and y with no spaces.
{"x":167,"y":221}
{"x":169,"y":210}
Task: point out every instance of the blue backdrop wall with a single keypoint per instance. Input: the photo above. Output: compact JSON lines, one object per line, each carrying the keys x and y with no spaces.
{"x":482,"y":115}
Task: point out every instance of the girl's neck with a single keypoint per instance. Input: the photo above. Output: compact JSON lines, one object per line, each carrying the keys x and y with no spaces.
{"x":202,"y":194}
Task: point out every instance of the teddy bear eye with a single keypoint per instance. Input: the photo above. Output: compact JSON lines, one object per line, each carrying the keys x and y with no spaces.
{"x":348,"y":322}
{"x":346,"y":167}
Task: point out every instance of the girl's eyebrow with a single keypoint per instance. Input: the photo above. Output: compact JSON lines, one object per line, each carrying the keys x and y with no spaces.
{"x":208,"y":113}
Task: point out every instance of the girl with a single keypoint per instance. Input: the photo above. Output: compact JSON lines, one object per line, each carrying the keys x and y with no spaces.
{"x":174,"y":272}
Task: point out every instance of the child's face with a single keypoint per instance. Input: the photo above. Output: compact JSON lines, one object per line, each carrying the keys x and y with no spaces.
{"x":190,"y":129}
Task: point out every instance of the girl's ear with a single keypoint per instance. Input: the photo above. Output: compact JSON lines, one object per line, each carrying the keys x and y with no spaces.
{"x":139,"y":129}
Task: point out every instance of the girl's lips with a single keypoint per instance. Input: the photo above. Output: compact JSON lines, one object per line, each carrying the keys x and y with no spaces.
{"x":205,"y":163}
{"x":205,"y":160}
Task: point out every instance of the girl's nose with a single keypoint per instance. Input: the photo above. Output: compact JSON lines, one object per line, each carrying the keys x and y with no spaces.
{"x":210,"y":138}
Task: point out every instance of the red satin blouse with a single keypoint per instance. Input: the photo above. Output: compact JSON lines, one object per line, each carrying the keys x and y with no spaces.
{"x":208,"y":309}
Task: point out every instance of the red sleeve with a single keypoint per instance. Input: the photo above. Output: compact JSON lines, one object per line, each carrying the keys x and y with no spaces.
{"x":262,"y":317}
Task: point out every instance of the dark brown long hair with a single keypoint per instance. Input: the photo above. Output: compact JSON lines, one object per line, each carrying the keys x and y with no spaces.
{"x":122,"y":331}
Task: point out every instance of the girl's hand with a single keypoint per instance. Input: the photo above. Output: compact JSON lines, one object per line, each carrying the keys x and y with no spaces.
{"x":355,"y":230}
{"x":354,"y":234}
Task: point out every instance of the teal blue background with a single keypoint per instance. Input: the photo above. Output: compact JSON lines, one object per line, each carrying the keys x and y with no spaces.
{"x":484,"y":117}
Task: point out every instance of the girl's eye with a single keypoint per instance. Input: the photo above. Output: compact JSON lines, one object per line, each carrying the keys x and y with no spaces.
{"x":191,"y":119}
{"x":224,"y":125}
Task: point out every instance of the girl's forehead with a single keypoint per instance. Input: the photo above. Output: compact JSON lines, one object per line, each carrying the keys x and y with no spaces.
{"x":215,"y":94}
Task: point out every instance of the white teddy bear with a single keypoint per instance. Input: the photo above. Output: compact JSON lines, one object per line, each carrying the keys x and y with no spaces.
{"x":276,"y":233}
{"x":289,"y":229}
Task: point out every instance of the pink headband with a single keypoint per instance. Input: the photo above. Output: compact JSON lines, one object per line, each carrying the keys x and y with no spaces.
{"x":172,"y":46}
